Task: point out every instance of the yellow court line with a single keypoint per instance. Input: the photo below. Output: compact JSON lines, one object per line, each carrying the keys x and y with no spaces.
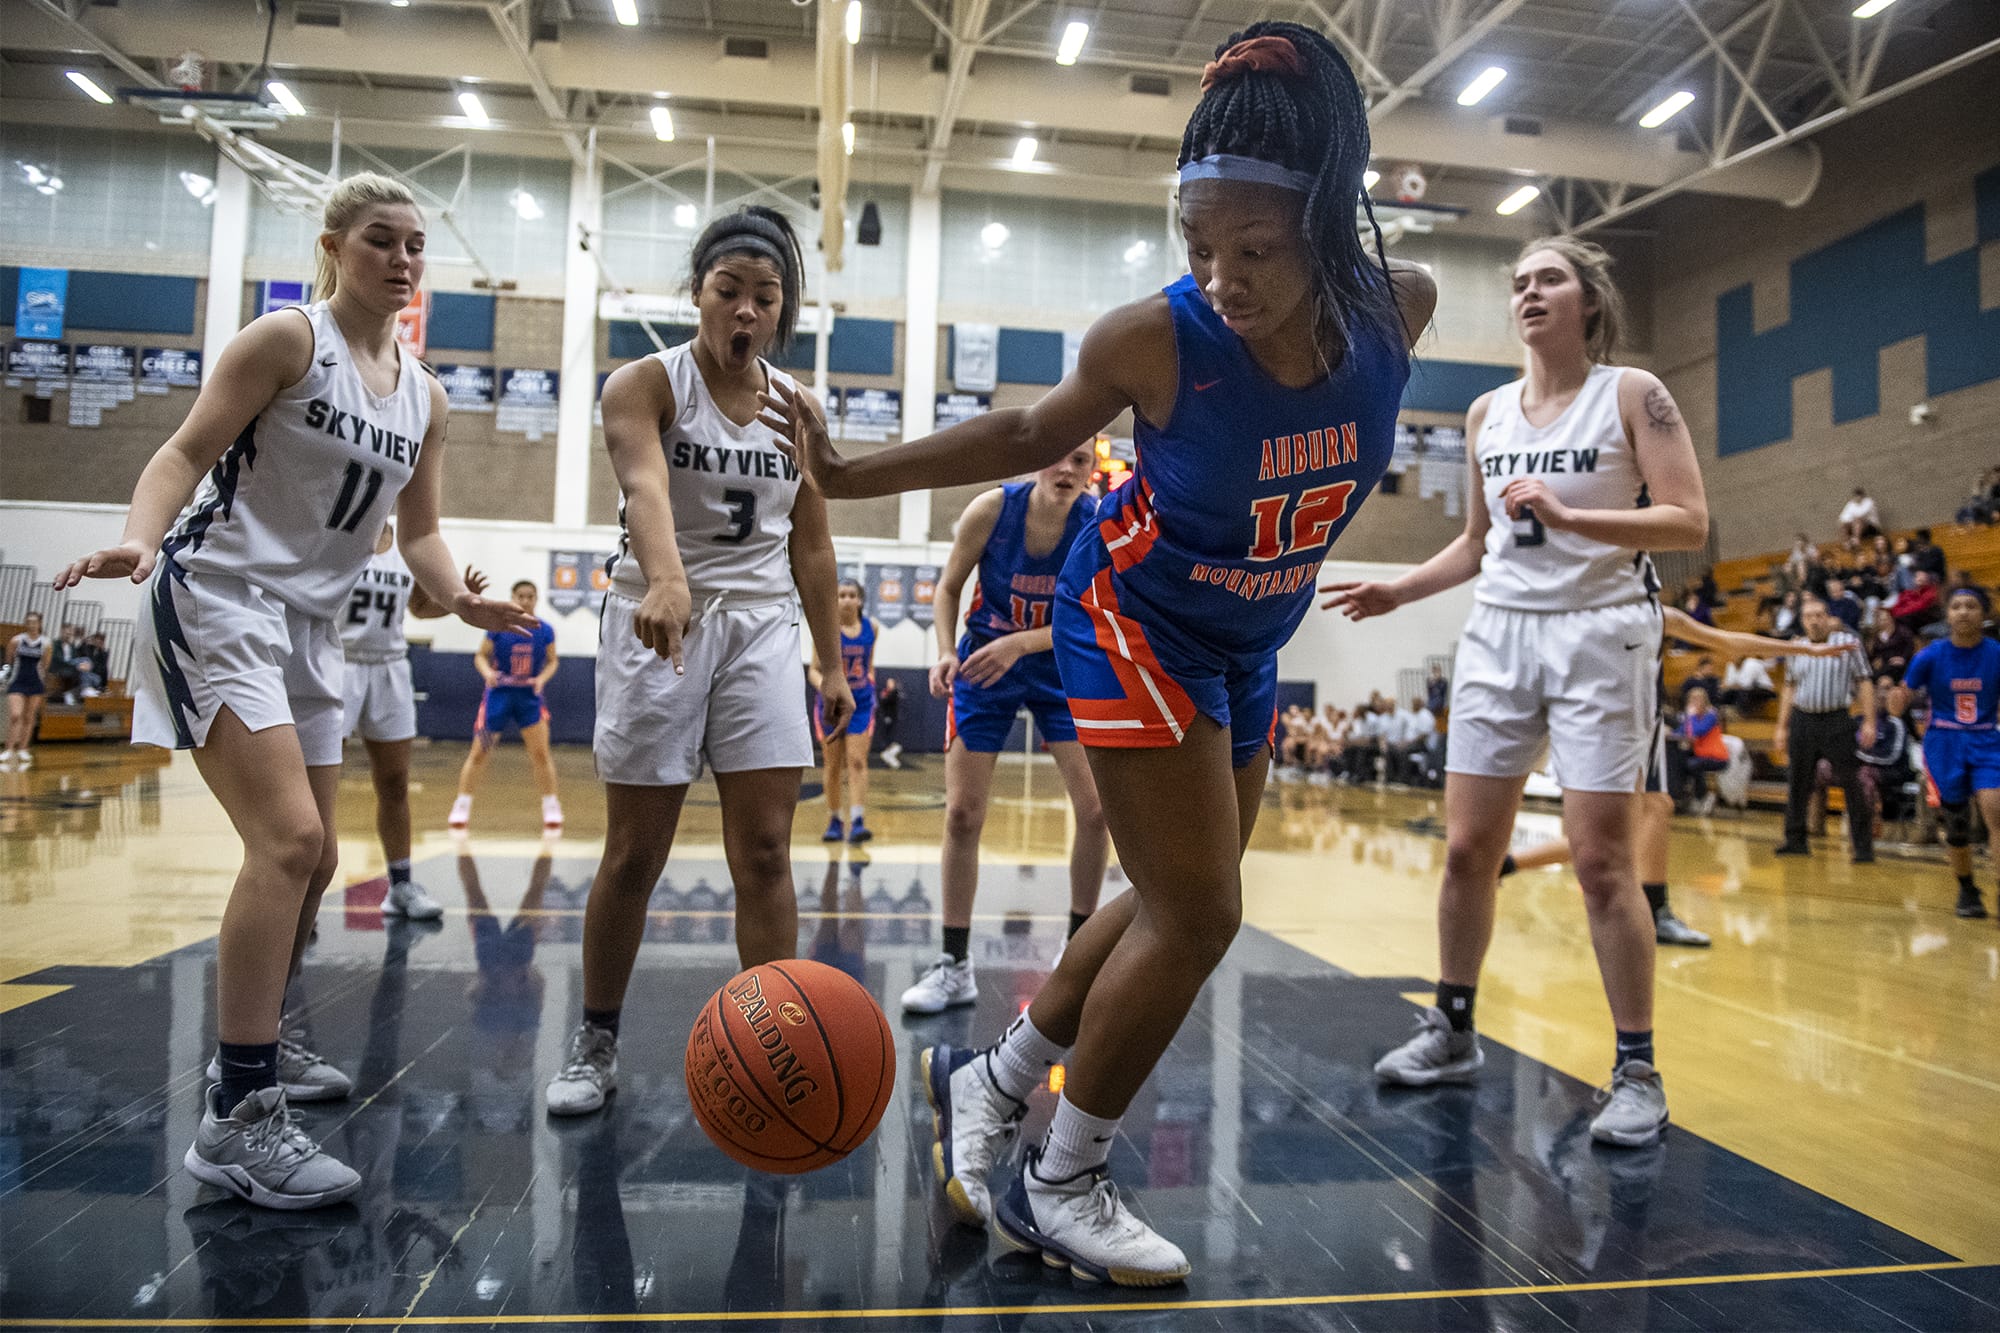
{"x":989,"y":1311}
{"x":14,"y":996}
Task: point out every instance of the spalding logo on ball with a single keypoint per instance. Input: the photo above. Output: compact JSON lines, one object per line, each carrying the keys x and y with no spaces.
{"x":790,"y":1066}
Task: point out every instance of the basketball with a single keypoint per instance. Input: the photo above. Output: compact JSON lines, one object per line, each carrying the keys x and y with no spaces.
{"x":789,"y":1066}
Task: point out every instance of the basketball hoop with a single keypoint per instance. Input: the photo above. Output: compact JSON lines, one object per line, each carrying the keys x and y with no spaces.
{"x":189,"y":72}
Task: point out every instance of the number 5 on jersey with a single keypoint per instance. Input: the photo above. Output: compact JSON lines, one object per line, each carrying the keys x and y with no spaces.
{"x":1312,"y":519}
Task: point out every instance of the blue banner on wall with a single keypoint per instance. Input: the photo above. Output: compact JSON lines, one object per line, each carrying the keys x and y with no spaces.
{"x":39,"y":303}
{"x":278,"y":295}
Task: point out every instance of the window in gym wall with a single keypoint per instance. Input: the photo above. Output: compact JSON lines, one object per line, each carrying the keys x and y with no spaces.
{"x":96,"y":199}
{"x":1052,"y":259}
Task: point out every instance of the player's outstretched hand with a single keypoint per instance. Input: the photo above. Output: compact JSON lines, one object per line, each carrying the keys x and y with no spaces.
{"x":795,"y":416}
{"x":836,"y":705}
{"x":484,"y":613}
{"x":992,"y":661}
{"x":126,"y":560}
{"x":1358,"y":601}
{"x":942,"y":675}
{"x":475,"y":582}
{"x":662,"y":620}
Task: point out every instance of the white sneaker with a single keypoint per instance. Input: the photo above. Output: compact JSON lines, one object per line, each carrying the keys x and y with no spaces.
{"x":408,"y":899}
{"x":590,"y":1075}
{"x":1635,"y":1107}
{"x":24,"y":757}
{"x":259,"y":1153}
{"x":6,"y":756}
{"x":971,"y":1121}
{"x":1435,"y":1055}
{"x":302,"y":1074}
{"x":947,"y":984}
{"x":551,"y":812}
{"x":1082,"y":1224}
{"x":461,"y":812}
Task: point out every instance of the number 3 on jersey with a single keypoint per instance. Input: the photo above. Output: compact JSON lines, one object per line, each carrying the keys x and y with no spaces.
{"x":742,"y":515}
{"x":1313,"y":518}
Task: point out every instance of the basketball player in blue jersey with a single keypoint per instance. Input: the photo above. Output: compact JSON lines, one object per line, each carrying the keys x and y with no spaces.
{"x":1018,"y":536}
{"x":516,"y":667}
{"x":1264,"y":389}
{"x":311,"y":424}
{"x":1580,"y":468}
{"x":847,"y":749}
{"x":1961,"y":674}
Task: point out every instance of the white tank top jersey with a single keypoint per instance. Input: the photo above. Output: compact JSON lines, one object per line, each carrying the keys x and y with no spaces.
{"x":372,"y":628}
{"x":731,"y":490}
{"x":296,"y":503}
{"x":1585,"y":459}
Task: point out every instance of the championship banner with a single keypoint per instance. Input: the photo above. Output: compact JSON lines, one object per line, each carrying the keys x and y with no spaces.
{"x":577,"y":578}
{"x":1408,"y":441}
{"x":41,"y":297}
{"x":467,"y":388}
{"x":954,"y":408}
{"x":1442,"y":471}
{"x":413,"y":323}
{"x":100,"y":379}
{"x":975,"y":357}
{"x":871,"y":415}
{"x":164,"y":368}
{"x":923,"y":595}
{"x":888,"y":591}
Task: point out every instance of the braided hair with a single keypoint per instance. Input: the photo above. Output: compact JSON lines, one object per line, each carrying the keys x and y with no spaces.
{"x":1310,"y":118}
{"x":764,"y":233}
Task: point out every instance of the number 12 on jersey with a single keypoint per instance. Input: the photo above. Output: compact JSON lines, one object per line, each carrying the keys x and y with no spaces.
{"x":1312,"y":518}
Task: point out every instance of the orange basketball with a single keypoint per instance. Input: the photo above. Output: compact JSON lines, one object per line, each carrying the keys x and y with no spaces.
{"x":790,"y":1066}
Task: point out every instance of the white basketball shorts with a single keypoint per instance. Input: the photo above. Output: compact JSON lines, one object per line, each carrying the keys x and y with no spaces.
{"x":381,"y":700}
{"x":1581,"y":683}
{"x":206,"y":641}
{"x":740,"y":707}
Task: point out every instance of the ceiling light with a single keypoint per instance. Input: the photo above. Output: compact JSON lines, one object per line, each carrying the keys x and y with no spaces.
{"x":663,"y":124}
{"x":847,"y":137}
{"x":285,"y":98}
{"x":1024,"y":151}
{"x":685,"y":215}
{"x":399,"y":4}
{"x":1489,"y":79}
{"x":1137,"y":251}
{"x":90,"y":89}
{"x":1072,"y":42}
{"x":1370,"y":178}
{"x":35,"y":175}
{"x":1672,"y":106}
{"x":1518,"y":200}
{"x":626,"y":11}
{"x":53,"y":185}
{"x":475,"y":110}
{"x":1868,"y":9}
{"x":526,"y":205}
{"x":854,"y":22}
{"x":200,"y":186}
{"x":993,"y":235}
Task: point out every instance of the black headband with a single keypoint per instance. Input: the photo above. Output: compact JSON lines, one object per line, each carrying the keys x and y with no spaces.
{"x":744,"y":240}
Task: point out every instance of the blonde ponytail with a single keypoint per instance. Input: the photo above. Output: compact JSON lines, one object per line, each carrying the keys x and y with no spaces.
{"x":353,"y":194}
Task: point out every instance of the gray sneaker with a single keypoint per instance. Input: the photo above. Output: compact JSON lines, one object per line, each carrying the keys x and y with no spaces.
{"x":1670,"y":929}
{"x":408,"y":899}
{"x":1435,"y":1055}
{"x":590,"y":1075}
{"x":259,"y":1153}
{"x":303,"y":1075}
{"x":1635,"y":1107}
{"x":946,"y":984}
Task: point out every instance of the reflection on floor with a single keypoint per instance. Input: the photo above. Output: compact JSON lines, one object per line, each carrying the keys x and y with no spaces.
{"x":1306,"y":1197}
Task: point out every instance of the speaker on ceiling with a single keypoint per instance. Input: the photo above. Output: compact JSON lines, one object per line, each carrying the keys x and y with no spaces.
{"x":869,"y":230}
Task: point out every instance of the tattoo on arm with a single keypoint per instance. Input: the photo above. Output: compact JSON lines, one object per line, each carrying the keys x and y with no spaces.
{"x":1660,"y":409}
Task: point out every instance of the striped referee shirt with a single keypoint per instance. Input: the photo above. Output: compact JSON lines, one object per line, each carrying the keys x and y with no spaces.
{"x":1826,"y":684}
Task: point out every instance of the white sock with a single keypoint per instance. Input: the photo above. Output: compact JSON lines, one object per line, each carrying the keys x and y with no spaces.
{"x":1077,"y":1142}
{"x":854,"y":811}
{"x":1021,"y":1059}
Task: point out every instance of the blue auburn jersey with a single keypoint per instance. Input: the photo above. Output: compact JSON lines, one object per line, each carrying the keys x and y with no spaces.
{"x":1963,"y":684}
{"x":519,"y":657}
{"x":1216,"y":542}
{"x":1016,"y":590}
{"x":857,"y":657}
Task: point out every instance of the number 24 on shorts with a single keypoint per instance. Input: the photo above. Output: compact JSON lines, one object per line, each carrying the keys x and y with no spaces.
{"x":1312,"y":519}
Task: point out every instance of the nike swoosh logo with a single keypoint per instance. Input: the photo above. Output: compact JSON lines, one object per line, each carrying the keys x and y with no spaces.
{"x":327,"y":362}
{"x":1198,"y":389}
{"x":1104,"y":1139}
{"x":1630,"y":646}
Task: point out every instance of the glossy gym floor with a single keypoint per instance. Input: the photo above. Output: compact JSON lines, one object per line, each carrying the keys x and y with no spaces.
{"x":1830,"y":1064}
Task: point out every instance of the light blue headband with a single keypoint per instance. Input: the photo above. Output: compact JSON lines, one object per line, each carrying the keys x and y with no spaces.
{"x":1229,"y":167}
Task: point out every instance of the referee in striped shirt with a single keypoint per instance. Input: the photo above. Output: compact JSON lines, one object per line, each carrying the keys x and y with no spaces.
{"x":1814,"y":723}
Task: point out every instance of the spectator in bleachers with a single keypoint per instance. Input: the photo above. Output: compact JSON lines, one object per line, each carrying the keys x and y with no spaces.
{"x":1702,"y":678}
{"x":1983,"y":504}
{"x":1842,"y":604}
{"x":65,"y":678}
{"x":1890,"y":646}
{"x":1410,"y":733}
{"x":1747,"y":685}
{"x":1801,"y":562}
{"x":1702,"y":733}
{"x":1437,"y":691}
{"x":1696,"y":610}
{"x":1294,"y":732}
{"x":1917,"y":609}
{"x":1366,"y":735}
{"x":93,"y":667}
{"x":1926,"y":555}
{"x":1860,"y":518}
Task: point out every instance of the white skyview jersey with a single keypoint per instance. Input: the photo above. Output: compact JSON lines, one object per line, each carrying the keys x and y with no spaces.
{"x":371,"y":629}
{"x":1584,"y":458}
{"x":296,"y":503}
{"x":731,"y":490}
